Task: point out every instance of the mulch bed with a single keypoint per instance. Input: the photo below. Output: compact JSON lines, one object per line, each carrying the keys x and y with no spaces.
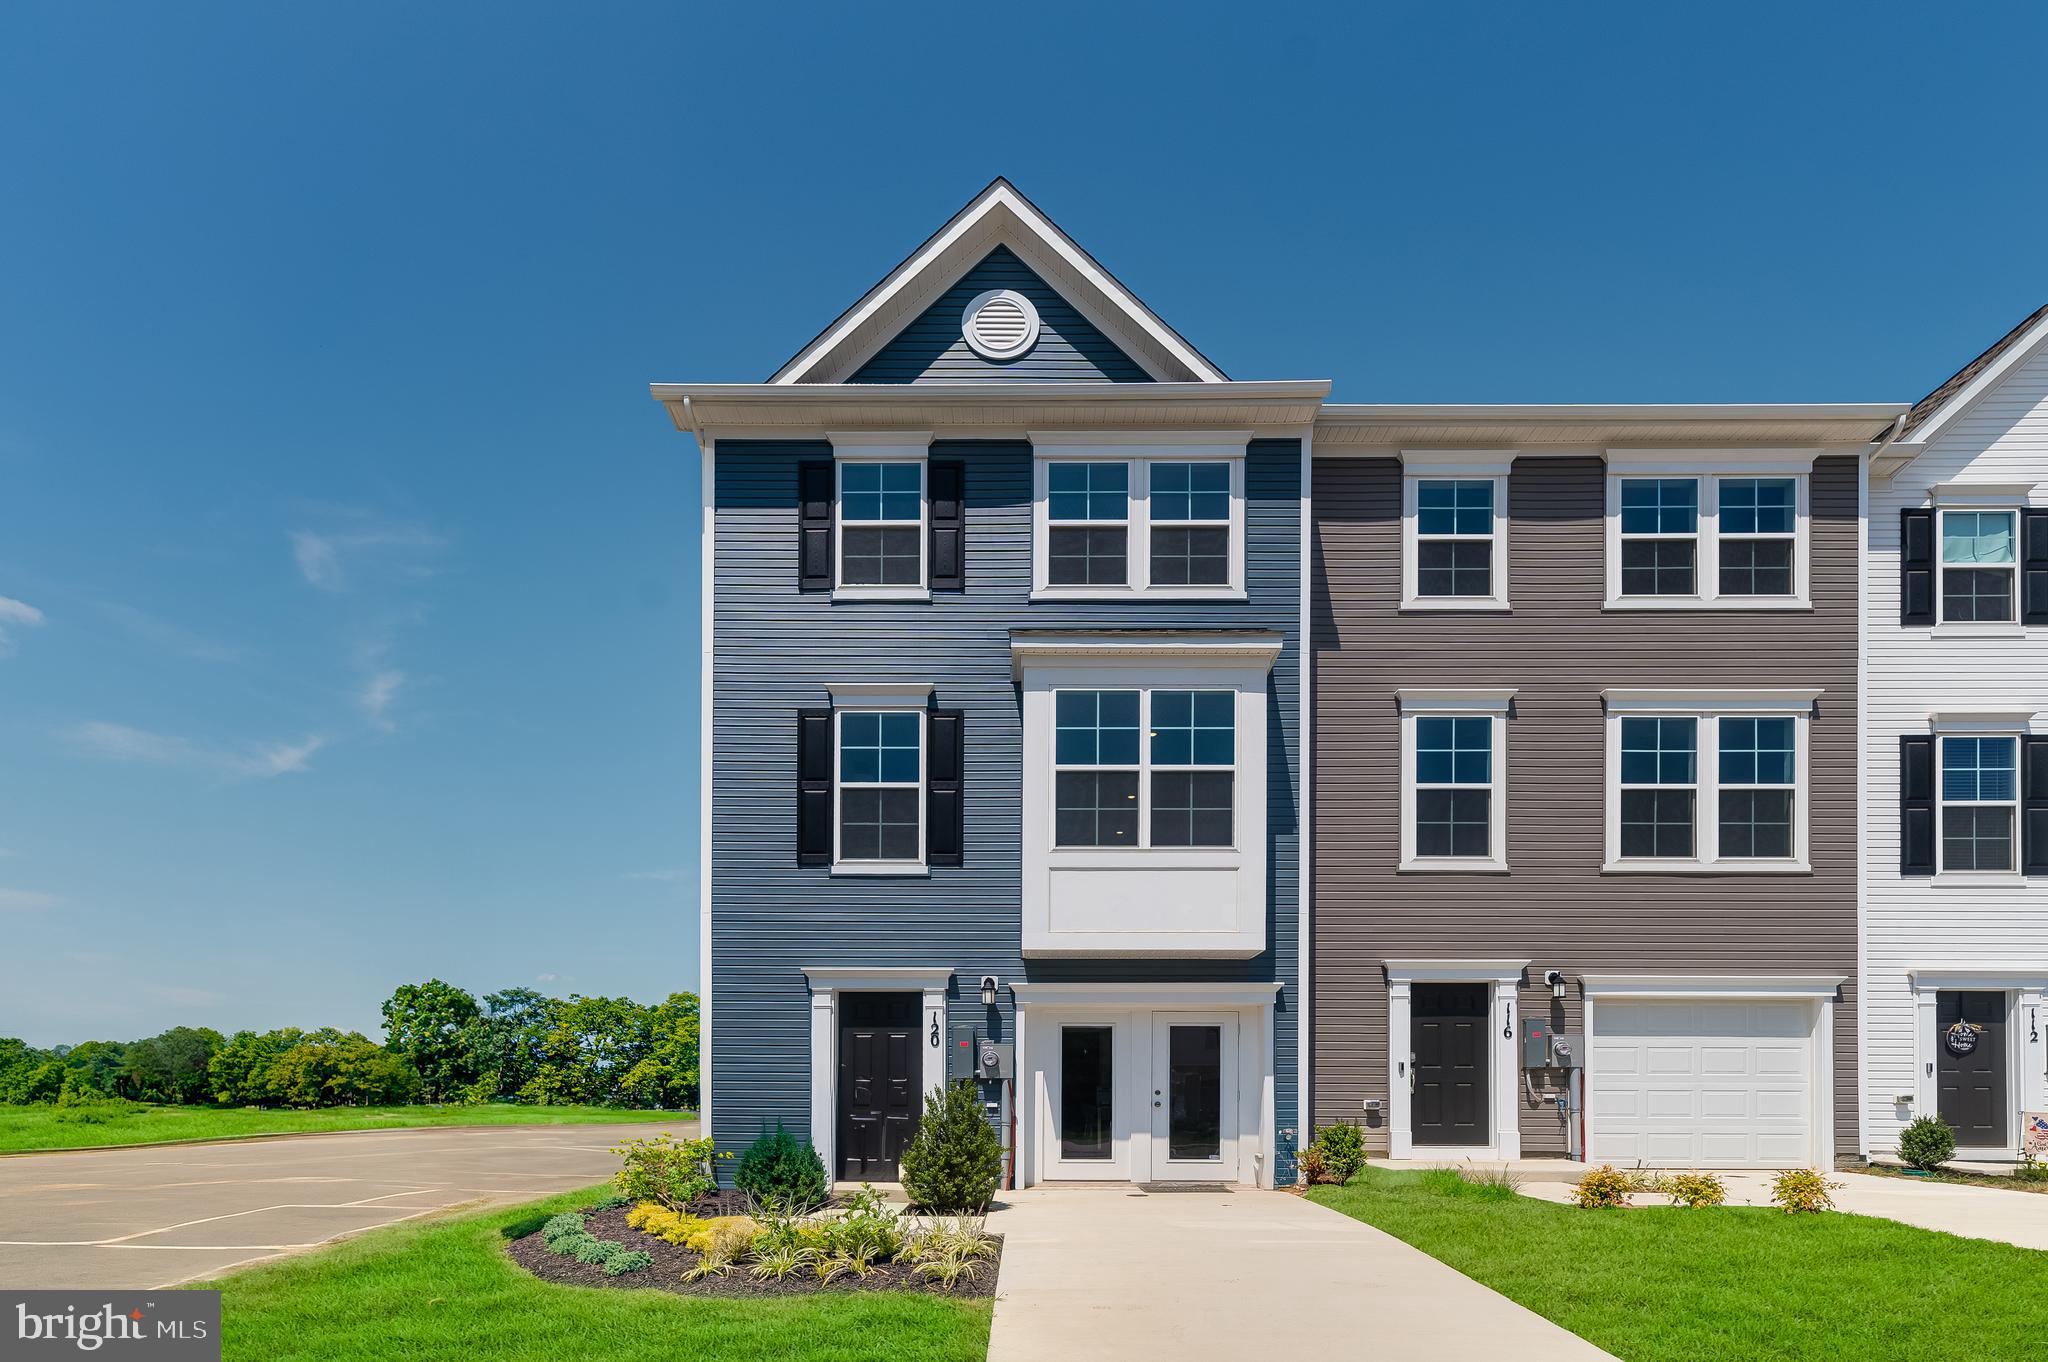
{"x":671,"y":1261}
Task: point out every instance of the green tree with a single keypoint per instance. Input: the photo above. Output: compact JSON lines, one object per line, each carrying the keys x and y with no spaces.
{"x":508,"y":1039}
{"x":667,"y":1077}
{"x":239,"y":1070}
{"x":426,"y":1023}
{"x":171,"y":1067}
{"x":591,"y":1047}
{"x":19,"y":1063}
{"x":96,"y":1067}
{"x":954,"y":1162}
{"x":331,"y":1067}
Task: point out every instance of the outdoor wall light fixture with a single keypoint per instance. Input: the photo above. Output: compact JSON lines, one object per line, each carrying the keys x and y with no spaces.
{"x":1555,"y":978}
{"x":988,"y":990}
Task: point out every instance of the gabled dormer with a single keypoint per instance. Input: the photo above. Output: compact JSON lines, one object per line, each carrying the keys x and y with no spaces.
{"x":999,"y":294}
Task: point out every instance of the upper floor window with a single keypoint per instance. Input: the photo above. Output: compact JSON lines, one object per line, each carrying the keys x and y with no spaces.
{"x":1454,"y":531}
{"x":880,"y":781}
{"x":1454,"y":782}
{"x":1144,"y":768}
{"x":1158,"y":520}
{"x":1973,"y":796}
{"x":1979,"y":566}
{"x":881,"y":786}
{"x":1731,"y":540}
{"x":1715,"y":781}
{"x":881,"y":524}
{"x":1980,"y":797}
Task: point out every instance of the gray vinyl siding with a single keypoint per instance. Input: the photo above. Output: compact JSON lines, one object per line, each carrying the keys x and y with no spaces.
{"x":1069,"y":350}
{"x":778,"y":648}
{"x":1559,"y":649}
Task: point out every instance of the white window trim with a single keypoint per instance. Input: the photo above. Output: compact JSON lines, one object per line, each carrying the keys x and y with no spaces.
{"x":1980,"y":728}
{"x":1505,"y":1075}
{"x":1709,"y":707}
{"x":881,"y":700}
{"x":1050,"y":447}
{"x":1145,"y":767}
{"x":2012,"y":627}
{"x":1419,"y":466}
{"x":881,"y":447}
{"x":1491,"y":704}
{"x":1707,"y":473}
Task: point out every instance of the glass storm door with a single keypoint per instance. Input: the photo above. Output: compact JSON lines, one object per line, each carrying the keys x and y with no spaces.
{"x":1194,"y":1098}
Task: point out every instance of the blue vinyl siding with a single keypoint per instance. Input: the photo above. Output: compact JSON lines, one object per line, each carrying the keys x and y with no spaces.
{"x":1069,"y":350}
{"x":777,"y":649}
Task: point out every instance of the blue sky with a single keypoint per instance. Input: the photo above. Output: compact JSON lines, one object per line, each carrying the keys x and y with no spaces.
{"x":348,"y":570}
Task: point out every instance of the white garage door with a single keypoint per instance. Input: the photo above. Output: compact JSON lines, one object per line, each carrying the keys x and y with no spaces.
{"x":1701,"y":1085}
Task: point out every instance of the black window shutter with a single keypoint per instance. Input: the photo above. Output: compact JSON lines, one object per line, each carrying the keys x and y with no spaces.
{"x":946,"y":495}
{"x":945,"y":764}
{"x":1916,"y":805}
{"x":1916,"y":568}
{"x":814,"y":787}
{"x":2034,"y":806}
{"x":814,"y":525}
{"x":2034,"y":538}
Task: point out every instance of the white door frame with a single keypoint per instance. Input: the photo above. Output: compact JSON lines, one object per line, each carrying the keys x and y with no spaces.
{"x":1043,"y":1009}
{"x":2026,"y":999}
{"x":1818,"y":989}
{"x":827,"y":983}
{"x":1503,"y":1056}
{"x":1164,"y":1167}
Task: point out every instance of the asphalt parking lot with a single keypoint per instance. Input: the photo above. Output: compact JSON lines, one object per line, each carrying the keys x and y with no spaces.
{"x":154,"y":1217}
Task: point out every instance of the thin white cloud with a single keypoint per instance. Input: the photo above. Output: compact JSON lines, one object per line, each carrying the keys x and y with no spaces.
{"x":27,"y":898}
{"x":15,"y":614}
{"x":121,"y":742}
{"x":377,"y":695}
{"x":547,"y":978}
{"x":329,"y":557}
{"x":171,"y":638}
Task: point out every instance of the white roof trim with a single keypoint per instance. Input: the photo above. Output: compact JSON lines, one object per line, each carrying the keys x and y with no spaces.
{"x":1225,"y":994}
{"x":1966,"y":976}
{"x":1478,"y":699}
{"x":1994,"y":374}
{"x":1454,"y":971}
{"x":1620,"y":698}
{"x":825,"y":978}
{"x":1259,"y":648}
{"x":1007,"y":218}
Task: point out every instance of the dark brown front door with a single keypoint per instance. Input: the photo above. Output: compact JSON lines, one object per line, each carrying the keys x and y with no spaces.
{"x":1448,"y":1026}
{"x":880,"y":1071}
{"x":1969,"y":1068}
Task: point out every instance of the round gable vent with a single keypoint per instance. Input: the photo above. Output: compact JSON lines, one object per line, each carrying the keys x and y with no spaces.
{"x":1000,"y":324}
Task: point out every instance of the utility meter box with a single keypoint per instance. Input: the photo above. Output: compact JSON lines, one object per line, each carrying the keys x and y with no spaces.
{"x":995,"y":1061}
{"x":1567,"y":1050}
{"x":1535,"y":1043}
{"x":962,"y":1059}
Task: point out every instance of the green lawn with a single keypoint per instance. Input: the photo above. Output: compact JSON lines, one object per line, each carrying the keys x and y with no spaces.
{"x":445,"y":1289}
{"x":25,"y":1128}
{"x":1669,"y":1285}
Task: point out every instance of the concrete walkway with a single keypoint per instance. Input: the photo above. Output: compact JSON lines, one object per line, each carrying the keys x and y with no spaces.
{"x":1973,"y":1212}
{"x":153,"y":1217}
{"x":1115,"y":1272}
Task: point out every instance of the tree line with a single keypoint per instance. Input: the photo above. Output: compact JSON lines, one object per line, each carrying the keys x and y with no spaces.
{"x":441,"y":1044}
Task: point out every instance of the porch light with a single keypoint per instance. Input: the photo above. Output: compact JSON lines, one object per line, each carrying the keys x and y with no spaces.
{"x":988,"y":990}
{"x":1555,"y":978}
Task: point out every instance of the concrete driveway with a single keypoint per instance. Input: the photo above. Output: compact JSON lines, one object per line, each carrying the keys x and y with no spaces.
{"x":1185,"y":1276}
{"x":147,"y":1218}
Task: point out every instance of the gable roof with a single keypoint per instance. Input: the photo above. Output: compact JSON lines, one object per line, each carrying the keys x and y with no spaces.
{"x":998,"y":216}
{"x":1958,"y":393}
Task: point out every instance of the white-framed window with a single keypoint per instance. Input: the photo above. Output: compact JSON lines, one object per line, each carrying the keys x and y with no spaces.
{"x":1731,"y":539}
{"x":1979,"y":566}
{"x":1115,"y":519}
{"x":1454,"y":779}
{"x":878,"y":796}
{"x":1144,"y":768}
{"x":1707,"y":780}
{"x":881,"y":531}
{"x":1979,"y":797}
{"x":1454,"y":530}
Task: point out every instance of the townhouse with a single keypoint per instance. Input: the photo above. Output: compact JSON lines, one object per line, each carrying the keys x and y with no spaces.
{"x":1956,"y":855}
{"x":1192,"y":761}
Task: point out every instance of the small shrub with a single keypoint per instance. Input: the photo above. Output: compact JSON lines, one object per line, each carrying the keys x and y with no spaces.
{"x":561,"y":1227}
{"x":664,"y":1169}
{"x":1927,"y":1143}
{"x":1696,"y":1189}
{"x":725,"y":1236}
{"x":2030,"y":1169}
{"x":590,"y":1249}
{"x":1343,"y":1147}
{"x":608,"y":1203}
{"x":1803,"y":1190}
{"x":868,"y":1229}
{"x":1312,"y":1166}
{"x":955,"y":1161}
{"x":627,"y":1260}
{"x":948,"y":1266}
{"x":963,"y":1236}
{"x":673,"y":1227}
{"x":782,"y":1170}
{"x":773,"y":1263}
{"x":1605,"y":1186}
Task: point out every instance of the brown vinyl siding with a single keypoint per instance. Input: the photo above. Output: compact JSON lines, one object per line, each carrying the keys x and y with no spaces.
{"x":1559,"y":649}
